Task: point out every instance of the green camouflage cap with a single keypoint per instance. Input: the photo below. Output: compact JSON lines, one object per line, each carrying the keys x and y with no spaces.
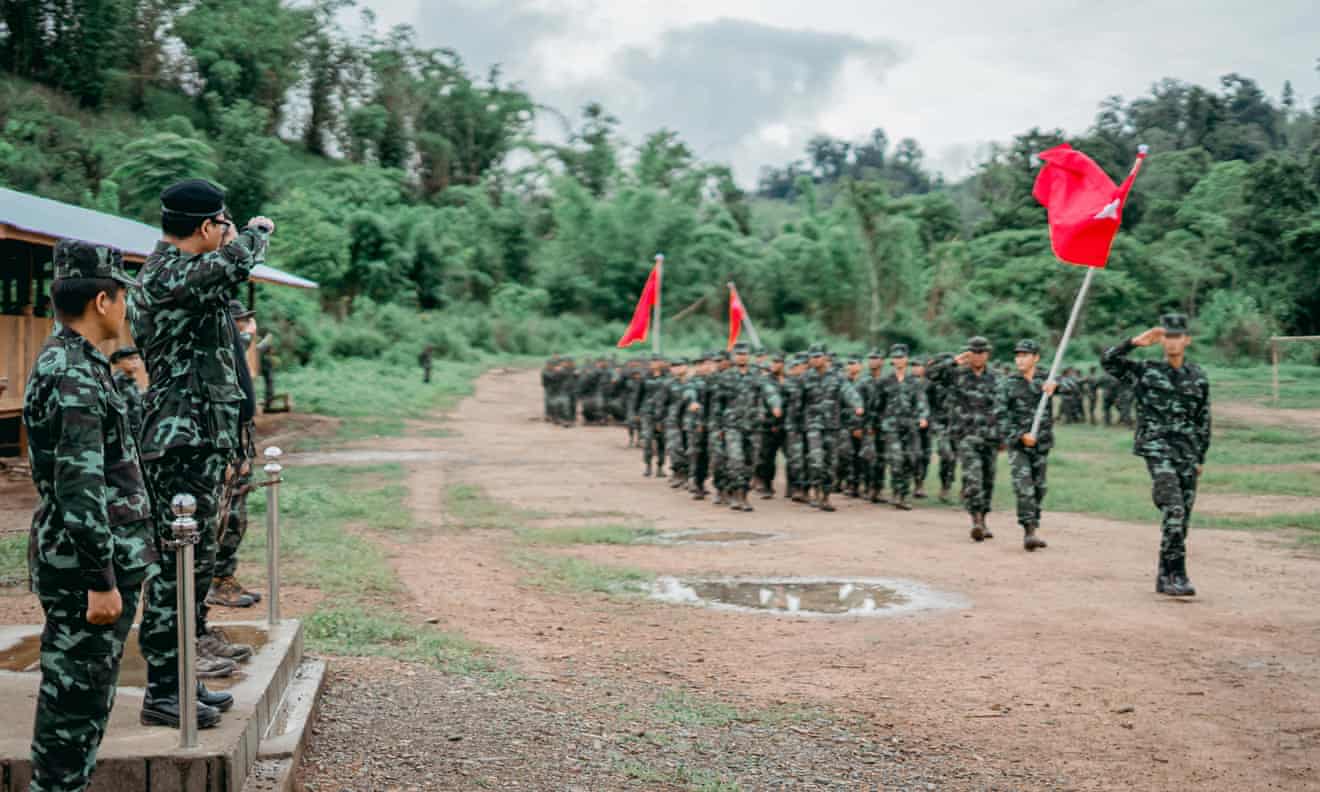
{"x":1174,"y":324}
{"x":876,"y":354}
{"x":978,"y":344}
{"x":776,"y":357}
{"x":898,"y":351}
{"x":759,"y":350}
{"x":77,"y":259}
{"x":1027,"y":345}
{"x":854,"y":358}
{"x":742,"y":348}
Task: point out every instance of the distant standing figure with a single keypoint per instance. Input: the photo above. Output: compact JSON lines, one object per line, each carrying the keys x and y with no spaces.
{"x":426,"y":359}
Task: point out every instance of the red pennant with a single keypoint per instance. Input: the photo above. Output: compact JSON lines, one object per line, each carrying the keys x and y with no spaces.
{"x":640,"y":325}
{"x":736,"y":315}
{"x":1085,"y":206}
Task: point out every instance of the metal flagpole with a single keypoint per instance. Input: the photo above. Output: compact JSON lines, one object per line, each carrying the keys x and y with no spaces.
{"x":747,"y":318}
{"x":1063,"y":347}
{"x":659,"y":283}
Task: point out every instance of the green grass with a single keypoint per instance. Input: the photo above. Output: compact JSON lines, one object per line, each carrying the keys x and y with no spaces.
{"x":565,"y":573}
{"x":1299,"y":384}
{"x":681,"y":776}
{"x":677,"y":707}
{"x":471,"y":508}
{"x":354,"y":630}
{"x":13,"y":560}
{"x":587,"y":534}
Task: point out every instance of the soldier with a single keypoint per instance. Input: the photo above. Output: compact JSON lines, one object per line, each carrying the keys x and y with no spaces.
{"x":675,"y":438}
{"x":691,"y":405}
{"x":568,"y":392}
{"x":824,"y":391}
{"x":771,"y":432}
{"x":426,"y":359}
{"x":972,"y":387}
{"x":652,"y":432}
{"x":1090,"y":385}
{"x":848,"y":451}
{"x":937,"y":397}
{"x":635,"y":375}
{"x":549,"y":382}
{"x":902,"y":403}
{"x":226,"y":591}
{"x":713,"y":413}
{"x":795,"y":441}
{"x":745,"y":391}
{"x":1019,"y":396}
{"x":873,"y":450}
{"x":1072,"y":409}
{"x":127,"y":362}
{"x":1124,"y":401}
{"x":1172,"y":397}
{"x":922,"y":464}
{"x":194,"y":411}
{"x":90,"y":545}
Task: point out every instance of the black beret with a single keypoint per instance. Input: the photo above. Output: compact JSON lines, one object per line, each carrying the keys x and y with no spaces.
{"x":193,"y":198}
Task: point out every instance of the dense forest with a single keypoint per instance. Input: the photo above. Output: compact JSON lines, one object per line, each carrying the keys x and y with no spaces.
{"x":405,"y":183}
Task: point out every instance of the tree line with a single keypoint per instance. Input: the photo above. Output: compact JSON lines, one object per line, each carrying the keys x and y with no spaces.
{"x":402,"y":177}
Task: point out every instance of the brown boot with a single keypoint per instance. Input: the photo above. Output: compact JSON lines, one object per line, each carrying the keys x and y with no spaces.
{"x":215,"y":643}
{"x":1030,"y":541}
{"x":227,"y":592}
{"x":978,"y":529}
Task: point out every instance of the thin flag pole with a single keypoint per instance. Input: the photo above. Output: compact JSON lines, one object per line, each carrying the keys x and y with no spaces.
{"x":659,"y":284}
{"x":746,"y":317}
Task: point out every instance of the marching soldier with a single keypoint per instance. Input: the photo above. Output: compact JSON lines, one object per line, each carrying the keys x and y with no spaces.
{"x":795,"y":441}
{"x":902,"y":402}
{"x":635,"y":377}
{"x":1172,"y":398}
{"x":873,"y":450}
{"x":745,"y":391}
{"x":852,"y":434}
{"x":771,"y":434}
{"x":675,"y":438}
{"x":549,"y":383}
{"x":91,"y":544}
{"x":713,"y":413}
{"x":922,"y":464}
{"x":972,"y":388}
{"x":1019,"y":395}
{"x":937,"y":397}
{"x":693,"y":402}
{"x":652,"y":439}
{"x":824,"y":390}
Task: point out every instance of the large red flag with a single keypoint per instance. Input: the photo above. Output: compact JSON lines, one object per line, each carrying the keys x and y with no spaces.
{"x":1085,"y":207}
{"x":736,"y":315}
{"x":641,"y":321}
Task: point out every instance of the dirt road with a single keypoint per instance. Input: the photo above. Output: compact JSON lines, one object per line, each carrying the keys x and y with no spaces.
{"x":1064,"y":662}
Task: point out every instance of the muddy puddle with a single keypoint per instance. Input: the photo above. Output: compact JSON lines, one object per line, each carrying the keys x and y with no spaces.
{"x":24,"y":656}
{"x":713,"y":537}
{"x":823,"y":597}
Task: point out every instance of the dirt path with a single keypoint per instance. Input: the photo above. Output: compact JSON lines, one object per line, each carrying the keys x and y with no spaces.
{"x":1065,"y":661}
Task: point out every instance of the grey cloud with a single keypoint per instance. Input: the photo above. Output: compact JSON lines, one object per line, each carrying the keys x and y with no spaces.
{"x":489,"y":33}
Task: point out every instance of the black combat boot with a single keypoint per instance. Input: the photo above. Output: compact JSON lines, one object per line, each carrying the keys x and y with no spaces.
{"x":648,"y":470}
{"x":1030,"y":541}
{"x":1179,"y":585}
{"x":165,"y":712}
{"x":1162,"y":577}
{"x":214,"y":698}
{"x":825,"y":504}
{"x":902,"y":503}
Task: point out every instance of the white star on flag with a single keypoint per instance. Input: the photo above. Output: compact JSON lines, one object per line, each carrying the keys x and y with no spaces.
{"x":1110,"y":212}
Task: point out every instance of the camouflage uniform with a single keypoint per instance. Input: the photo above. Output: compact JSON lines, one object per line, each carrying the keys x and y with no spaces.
{"x":675,"y":438}
{"x":873,"y":448}
{"x":1016,"y":409}
{"x":941,"y":424}
{"x":973,"y":428}
{"x":567,"y":401}
{"x":713,"y":415}
{"x":824,"y":391}
{"x":1090,"y":386}
{"x":127,"y":387}
{"x":191,"y":426}
{"x":91,"y":532}
{"x":698,"y":462}
{"x":655,"y":394}
{"x":746,"y":393}
{"x":1173,"y":436}
{"x":795,"y":441}
{"x":549,"y":375}
{"x":903,"y":407}
{"x":632,"y":401}
{"x":849,"y":468}
{"x":771,"y":434}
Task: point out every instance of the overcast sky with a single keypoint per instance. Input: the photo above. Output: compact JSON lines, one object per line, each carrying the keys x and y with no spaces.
{"x":749,"y":81}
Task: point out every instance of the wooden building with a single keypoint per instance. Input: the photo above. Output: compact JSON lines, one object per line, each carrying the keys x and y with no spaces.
{"x":29,"y":228}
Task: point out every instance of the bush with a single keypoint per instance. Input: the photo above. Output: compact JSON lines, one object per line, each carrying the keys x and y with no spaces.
{"x":1236,"y":326}
{"x":358,"y":342}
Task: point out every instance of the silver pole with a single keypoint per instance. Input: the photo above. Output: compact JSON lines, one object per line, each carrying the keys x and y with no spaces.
{"x":1063,"y":347}
{"x":185,"y":537}
{"x":656,"y":346}
{"x":747,"y":319}
{"x":273,"y":469}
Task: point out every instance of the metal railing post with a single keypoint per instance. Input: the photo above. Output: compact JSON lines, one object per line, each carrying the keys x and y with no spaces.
{"x":185,"y":534}
{"x":273,"y":469}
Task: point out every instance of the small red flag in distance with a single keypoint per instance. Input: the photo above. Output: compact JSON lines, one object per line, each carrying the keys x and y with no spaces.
{"x":640,"y":325}
{"x":736,"y":315}
{"x":1085,"y":206}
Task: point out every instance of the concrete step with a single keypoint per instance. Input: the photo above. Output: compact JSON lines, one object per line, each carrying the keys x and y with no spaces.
{"x":282,"y":747}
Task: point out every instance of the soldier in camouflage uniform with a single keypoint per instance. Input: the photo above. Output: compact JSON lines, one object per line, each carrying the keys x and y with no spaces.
{"x":568,"y":392}
{"x":675,"y":437}
{"x":690,"y":406}
{"x":825,"y":390}
{"x":127,"y":362}
{"x":924,"y":434}
{"x":745,"y":392}
{"x":852,"y":435}
{"x":902,"y":404}
{"x":972,"y":388}
{"x":771,"y":431}
{"x":713,"y":415}
{"x":1019,"y":396}
{"x":194,"y":409}
{"x":873,"y":450}
{"x":653,"y":442}
{"x":1090,"y":385}
{"x":549,"y":375}
{"x":937,"y":397}
{"x":1172,"y":398}
{"x":1072,"y":409}
{"x":795,"y":440}
{"x":90,"y":546}
{"x":634,"y":376}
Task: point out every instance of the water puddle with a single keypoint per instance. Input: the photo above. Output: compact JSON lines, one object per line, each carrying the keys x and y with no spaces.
{"x":822,"y":597}
{"x":713,"y":537}
{"x":24,"y":656}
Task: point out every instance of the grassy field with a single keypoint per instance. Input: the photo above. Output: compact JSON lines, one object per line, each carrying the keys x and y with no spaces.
{"x":13,"y":559}
{"x":1299,"y":385}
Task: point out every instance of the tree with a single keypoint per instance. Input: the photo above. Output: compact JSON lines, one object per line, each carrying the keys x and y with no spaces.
{"x":155,"y":162}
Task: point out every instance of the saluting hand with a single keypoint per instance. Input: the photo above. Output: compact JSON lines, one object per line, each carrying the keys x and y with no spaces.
{"x":1151,"y":336}
{"x":961,"y":358}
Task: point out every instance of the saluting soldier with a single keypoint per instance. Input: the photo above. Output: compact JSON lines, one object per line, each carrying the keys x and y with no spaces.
{"x":1172,"y":398}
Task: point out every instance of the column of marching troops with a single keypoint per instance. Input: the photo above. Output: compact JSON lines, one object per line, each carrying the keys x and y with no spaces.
{"x":867,"y":426}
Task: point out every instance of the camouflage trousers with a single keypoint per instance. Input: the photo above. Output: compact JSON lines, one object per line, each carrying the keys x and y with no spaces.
{"x":740,"y":457}
{"x":563,"y":409}
{"x":977,"y":456}
{"x":922,"y":463}
{"x":676,"y":447}
{"x":698,"y":456}
{"x":233,"y":517}
{"x":821,"y":445}
{"x":767,"y":455}
{"x":200,"y":473}
{"x":79,"y":673}
{"x":1173,"y":488}
{"x":795,"y":459}
{"x":719,"y":462}
{"x":948,"y":450}
{"x":653,"y":441}
{"x":1027,"y":466}
{"x":849,"y":469}
{"x":593,"y":409}
{"x":873,"y":455}
{"x":902,"y":446}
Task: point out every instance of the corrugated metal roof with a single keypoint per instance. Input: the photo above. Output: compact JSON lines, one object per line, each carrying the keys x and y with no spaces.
{"x":58,"y":220}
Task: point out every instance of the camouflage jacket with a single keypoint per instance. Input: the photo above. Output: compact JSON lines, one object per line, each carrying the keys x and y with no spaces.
{"x":181,"y":322}
{"x":127,"y":386}
{"x":91,"y":529}
{"x":1016,"y":409}
{"x":747,"y":395}
{"x":794,"y":406}
{"x":848,"y":417}
{"x":655,"y":396}
{"x":823,"y":395}
{"x":694,"y":392}
{"x":675,"y":403}
{"x":969,"y":399}
{"x":868,"y":388}
{"x":901,"y":405}
{"x":1173,"y":405}
{"x":632,"y":392}
{"x":768,"y":422}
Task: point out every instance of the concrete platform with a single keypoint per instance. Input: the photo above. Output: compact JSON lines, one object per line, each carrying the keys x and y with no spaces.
{"x":135,"y":757}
